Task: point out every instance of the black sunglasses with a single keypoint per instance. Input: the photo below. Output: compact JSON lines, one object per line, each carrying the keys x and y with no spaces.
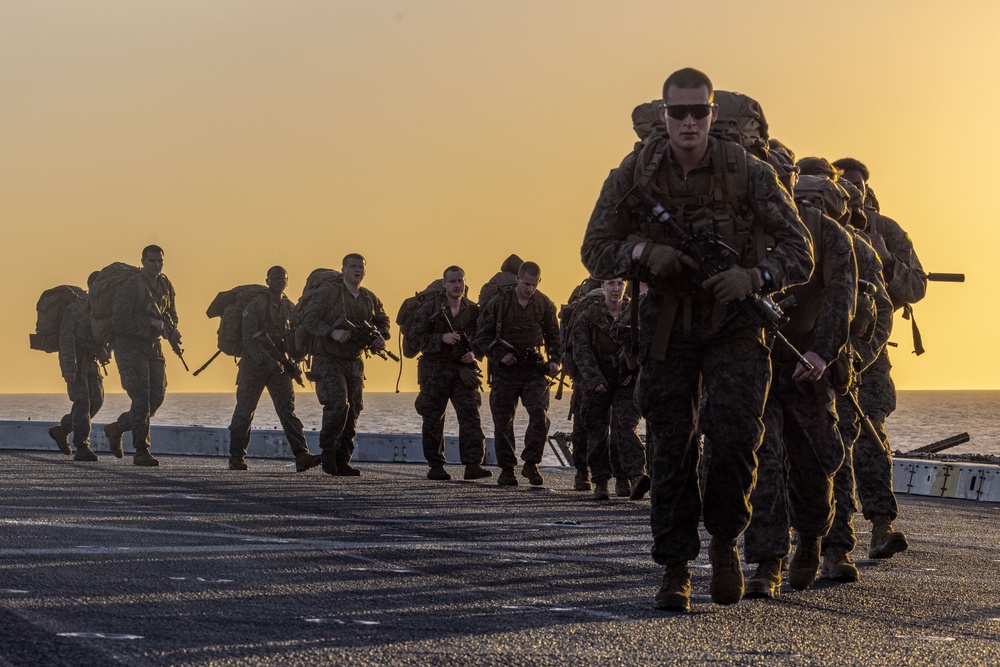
{"x":681,"y":111}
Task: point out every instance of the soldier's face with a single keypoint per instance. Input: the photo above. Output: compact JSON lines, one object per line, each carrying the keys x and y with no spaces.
{"x":277,"y":282}
{"x":614,"y":290}
{"x":689,"y":134}
{"x":152,"y":264}
{"x":854,"y":177}
{"x":526,"y":285}
{"x":454,"y":285}
{"x":354,"y":271}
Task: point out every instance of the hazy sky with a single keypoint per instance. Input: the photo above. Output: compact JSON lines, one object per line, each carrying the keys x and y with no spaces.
{"x":238,"y":135}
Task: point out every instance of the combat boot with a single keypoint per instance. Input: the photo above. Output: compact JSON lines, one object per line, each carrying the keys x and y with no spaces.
{"x":675,"y":592}
{"x":601,"y":490}
{"x":438,"y":474}
{"x":238,"y":464}
{"x":476,"y":471}
{"x":837,"y":564}
{"x":640,"y":487}
{"x":60,"y":434}
{"x":766,"y":581}
{"x":306,"y":459}
{"x":345,"y":469}
{"x":582,"y":480}
{"x":329,"y":462}
{"x":805,"y":563}
{"x":530,"y":472}
{"x":84,"y":453}
{"x":726,"y":586}
{"x":114,"y":436}
{"x":507,"y":477}
{"x":623,"y":487}
{"x":886,"y":542}
{"x":142,"y":457}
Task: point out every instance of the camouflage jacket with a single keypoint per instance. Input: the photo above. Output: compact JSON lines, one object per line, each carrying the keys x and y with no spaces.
{"x":334,"y":301}
{"x":429,"y":325}
{"x":76,"y":341}
{"x":598,"y":345}
{"x":260,"y":314}
{"x":135,"y":307}
{"x":867,"y":348}
{"x":607,"y":252}
{"x":522,"y":326}
{"x":905,"y":280}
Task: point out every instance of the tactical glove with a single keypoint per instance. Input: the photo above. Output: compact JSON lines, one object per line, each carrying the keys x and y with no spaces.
{"x":663,"y":260}
{"x":471,"y":376}
{"x":733,"y":284}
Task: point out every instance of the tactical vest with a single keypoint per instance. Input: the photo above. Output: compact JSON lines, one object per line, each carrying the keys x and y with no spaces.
{"x":274,"y":328}
{"x":160,"y":295}
{"x":808,"y":296}
{"x":521,"y":327}
{"x":606,"y":338}
{"x":357,"y":310}
{"x":464,"y":322}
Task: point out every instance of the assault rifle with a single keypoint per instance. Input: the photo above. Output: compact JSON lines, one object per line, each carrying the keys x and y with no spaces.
{"x":866,"y":423}
{"x":714,"y":255}
{"x":464,"y":345}
{"x":532,"y":358}
{"x":170,"y":331}
{"x":945,"y":277}
{"x":281,"y":356}
{"x":365,"y":334}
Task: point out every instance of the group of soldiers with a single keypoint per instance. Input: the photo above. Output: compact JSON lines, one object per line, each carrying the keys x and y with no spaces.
{"x":750,"y":401}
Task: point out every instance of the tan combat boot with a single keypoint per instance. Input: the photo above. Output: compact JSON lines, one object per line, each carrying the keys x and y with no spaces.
{"x":805,"y":563}
{"x":60,"y":434}
{"x":837,"y":564}
{"x":623,"y":487}
{"x":886,"y":542}
{"x":306,"y":459}
{"x":675,"y":592}
{"x":476,"y":471}
{"x":114,"y":436}
{"x":582,"y":480}
{"x":238,"y":464}
{"x":766,"y":581}
{"x":726,"y":586}
{"x":438,"y":474}
{"x":84,"y":453}
{"x":640,"y":487}
{"x":507,"y":477}
{"x":601,"y":490}
{"x":530,"y":472}
{"x":142,"y":457}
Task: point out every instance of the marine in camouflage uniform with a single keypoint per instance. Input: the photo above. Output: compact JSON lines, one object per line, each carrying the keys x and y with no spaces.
{"x":802,"y":449}
{"x":79,"y":358}
{"x":443,"y":329}
{"x":138,"y":329}
{"x":526,"y":320}
{"x":608,"y":391}
{"x":337,"y":367}
{"x":265,"y":328}
{"x":906,"y":284}
{"x":683,"y":348}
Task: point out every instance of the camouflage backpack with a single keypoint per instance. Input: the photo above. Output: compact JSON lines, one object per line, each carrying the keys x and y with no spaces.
{"x":228,"y":306}
{"x":822,"y":194}
{"x":317,"y":279}
{"x":102,"y":298}
{"x":51,"y":305}
{"x":584,"y":295}
{"x":500,"y":282}
{"x":408,"y":310}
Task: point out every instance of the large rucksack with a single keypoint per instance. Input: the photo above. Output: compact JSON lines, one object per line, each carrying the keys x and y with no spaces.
{"x":822,"y":194}
{"x":408,"y":310}
{"x":228,"y":306}
{"x":102,"y":298}
{"x":302,"y":339}
{"x":583,"y":296}
{"x":51,"y":305}
{"x":502,"y":280}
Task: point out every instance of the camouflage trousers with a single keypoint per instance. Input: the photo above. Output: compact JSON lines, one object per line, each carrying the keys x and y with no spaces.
{"x":531,"y":386}
{"x":580,"y":436}
{"x":87,"y":395}
{"x":796,"y":464}
{"x":845,"y":500}
{"x":144,"y":379}
{"x":250,"y":384}
{"x":339,"y":387}
{"x":612,"y":421}
{"x":872,"y":460}
{"x":735,"y":370}
{"x":439,"y":383}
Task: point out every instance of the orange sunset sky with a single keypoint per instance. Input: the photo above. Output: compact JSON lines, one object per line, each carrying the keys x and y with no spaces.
{"x":241,"y":134}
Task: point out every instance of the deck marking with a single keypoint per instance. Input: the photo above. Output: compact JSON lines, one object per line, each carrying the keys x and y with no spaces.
{"x":97,"y":635}
{"x":926,"y":638}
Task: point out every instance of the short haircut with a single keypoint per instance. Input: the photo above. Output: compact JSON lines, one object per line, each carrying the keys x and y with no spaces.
{"x":529,"y":269}
{"x":452,"y":269}
{"x":278,"y":271}
{"x":774,"y":144}
{"x":818,"y":166}
{"x":352,"y":255}
{"x":151,"y":248}
{"x":850,"y":164}
{"x":688,"y":77}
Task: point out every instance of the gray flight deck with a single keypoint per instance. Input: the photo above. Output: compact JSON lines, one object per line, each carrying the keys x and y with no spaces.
{"x":190,"y":564}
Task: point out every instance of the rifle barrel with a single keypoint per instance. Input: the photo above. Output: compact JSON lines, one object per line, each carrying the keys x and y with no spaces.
{"x":945,"y":277}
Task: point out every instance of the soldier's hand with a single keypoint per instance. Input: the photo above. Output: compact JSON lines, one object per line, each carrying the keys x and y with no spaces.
{"x":340,"y":335}
{"x":802,"y":374}
{"x":156,"y":324}
{"x":733,"y":284}
{"x":450,"y":338}
{"x":378,"y":343}
{"x":878,"y":242}
{"x":553,"y":368}
{"x":70,"y":377}
{"x":175,"y":337}
{"x":274,"y":368}
{"x":467,"y":358}
{"x":600,"y":389}
{"x":663,"y":260}
{"x":508,"y":359}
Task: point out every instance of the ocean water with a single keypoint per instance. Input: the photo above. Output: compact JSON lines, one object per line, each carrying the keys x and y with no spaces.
{"x":921,"y":417}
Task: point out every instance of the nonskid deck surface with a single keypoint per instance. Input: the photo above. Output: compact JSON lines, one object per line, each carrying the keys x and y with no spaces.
{"x":189,"y":563}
